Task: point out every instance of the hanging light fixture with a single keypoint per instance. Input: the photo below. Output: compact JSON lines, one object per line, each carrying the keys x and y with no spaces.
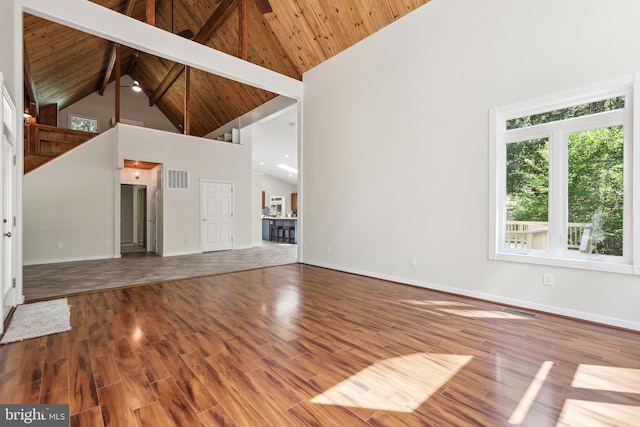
{"x":136,"y":84}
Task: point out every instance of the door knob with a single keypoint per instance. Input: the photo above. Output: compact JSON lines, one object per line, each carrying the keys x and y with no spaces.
{"x":7,"y":234}
{"x":204,"y":219}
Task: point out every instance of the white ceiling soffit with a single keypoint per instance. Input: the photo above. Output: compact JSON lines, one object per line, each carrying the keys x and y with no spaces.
{"x":264,"y":112}
{"x":274,"y":142}
{"x":94,"y":19}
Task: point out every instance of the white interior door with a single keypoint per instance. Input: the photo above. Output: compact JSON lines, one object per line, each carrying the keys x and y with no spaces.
{"x":8,"y":122}
{"x":140,"y":215}
{"x":151,"y":217}
{"x":8,"y":297}
{"x":216,"y":200}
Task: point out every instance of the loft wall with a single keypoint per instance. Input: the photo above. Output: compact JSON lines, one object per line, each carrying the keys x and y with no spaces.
{"x":396,"y":149}
{"x":74,"y":200}
{"x":133,"y":106}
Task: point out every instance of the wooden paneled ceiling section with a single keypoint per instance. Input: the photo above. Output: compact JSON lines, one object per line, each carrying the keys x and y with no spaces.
{"x":66,"y":65}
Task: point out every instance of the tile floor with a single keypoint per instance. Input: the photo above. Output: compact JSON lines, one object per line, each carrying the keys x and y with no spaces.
{"x":49,"y":280}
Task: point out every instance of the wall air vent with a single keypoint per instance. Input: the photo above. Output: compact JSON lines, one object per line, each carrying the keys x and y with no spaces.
{"x":177,"y":179}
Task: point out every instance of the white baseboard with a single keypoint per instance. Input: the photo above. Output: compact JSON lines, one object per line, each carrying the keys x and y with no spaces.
{"x":73,"y":259}
{"x":165,"y":254}
{"x":561,"y":311}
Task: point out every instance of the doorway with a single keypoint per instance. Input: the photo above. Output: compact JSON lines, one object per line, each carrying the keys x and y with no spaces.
{"x":133,"y":218}
{"x":8,"y":166}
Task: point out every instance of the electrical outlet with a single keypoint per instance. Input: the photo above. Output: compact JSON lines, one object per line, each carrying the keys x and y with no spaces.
{"x":547,"y":279}
{"x":328,"y":249}
{"x":60,"y":245}
{"x":412,"y":261}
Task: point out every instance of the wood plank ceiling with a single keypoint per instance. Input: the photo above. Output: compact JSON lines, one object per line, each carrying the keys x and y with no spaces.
{"x":63,"y":65}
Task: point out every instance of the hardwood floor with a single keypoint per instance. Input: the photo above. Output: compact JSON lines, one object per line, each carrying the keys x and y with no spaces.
{"x":297,"y":345}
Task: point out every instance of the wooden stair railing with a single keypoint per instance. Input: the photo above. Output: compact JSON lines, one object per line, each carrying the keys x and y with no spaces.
{"x":43,"y":143}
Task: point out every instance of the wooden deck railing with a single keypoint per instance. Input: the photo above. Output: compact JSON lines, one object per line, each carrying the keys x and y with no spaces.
{"x":535,"y":235}
{"x":43,"y":143}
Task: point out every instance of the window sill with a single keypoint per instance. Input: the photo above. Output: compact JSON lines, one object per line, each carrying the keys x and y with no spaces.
{"x":595,"y":265}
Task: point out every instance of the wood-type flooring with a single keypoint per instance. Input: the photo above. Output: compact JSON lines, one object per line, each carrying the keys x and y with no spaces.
{"x":297,"y":345}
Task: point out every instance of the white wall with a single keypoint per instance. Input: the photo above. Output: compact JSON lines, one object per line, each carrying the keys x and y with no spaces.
{"x":7,"y":52}
{"x":133,"y":106}
{"x":204,"y":159}
{"x":395,"y":160}
{"x":70,"y":201}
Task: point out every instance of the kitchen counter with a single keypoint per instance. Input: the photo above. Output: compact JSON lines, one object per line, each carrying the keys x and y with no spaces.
{"x":268,"y":221}
{"x":281,"y":218}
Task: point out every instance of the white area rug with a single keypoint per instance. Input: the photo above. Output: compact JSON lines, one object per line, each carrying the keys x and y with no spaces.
{"x":38,"y":319}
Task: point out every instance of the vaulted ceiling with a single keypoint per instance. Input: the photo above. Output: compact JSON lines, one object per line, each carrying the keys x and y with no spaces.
{"x":64,"y":65}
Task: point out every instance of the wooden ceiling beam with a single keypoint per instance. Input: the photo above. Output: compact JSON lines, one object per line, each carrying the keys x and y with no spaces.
{"x":187,"y":100}
{"x":151,"y":12}
{"x":28,"y":80}
{"x":128,"y":10}
{"x":243,"y":30}
{"x":117,"y":106}
{"x":217,"y":18}
{"x":110,"y":64}
{"x":263,"y":6}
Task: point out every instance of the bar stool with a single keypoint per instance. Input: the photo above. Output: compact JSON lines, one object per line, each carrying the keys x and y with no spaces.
{"x":275,"y":233}
{"x":287,"y":234}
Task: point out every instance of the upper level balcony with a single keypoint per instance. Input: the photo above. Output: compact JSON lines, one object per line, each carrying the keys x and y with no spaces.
{"x":529,"y":235}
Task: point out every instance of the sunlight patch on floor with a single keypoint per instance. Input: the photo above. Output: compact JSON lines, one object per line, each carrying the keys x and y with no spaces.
{"x":530,"y":395}
{"x":437,"y":303}
{"x":485,"y":314}
{"x":462,"y":310}
{"x":399,"y":384}
{"x":607,"y":378}
{"x":597,"y":414}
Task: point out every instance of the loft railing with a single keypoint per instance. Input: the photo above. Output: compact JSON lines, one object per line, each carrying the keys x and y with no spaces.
{"x":43,"y":143}
{"x":535,"y":235}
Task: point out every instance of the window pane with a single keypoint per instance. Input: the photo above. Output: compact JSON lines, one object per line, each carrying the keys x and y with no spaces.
{"x":87,"y":125}
{"x":609,"y":104}
{"x":527,"y":224}
{"x":595,"y":190}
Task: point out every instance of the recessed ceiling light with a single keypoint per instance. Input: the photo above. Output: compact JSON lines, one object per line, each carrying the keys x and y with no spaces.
{"x":286,"y":156}
{"x":261,"y":163}
{"x":287,"y":168}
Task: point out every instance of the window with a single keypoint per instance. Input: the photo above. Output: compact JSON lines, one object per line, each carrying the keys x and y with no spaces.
{"x":83,"y":123}
{"x":561,"y":172}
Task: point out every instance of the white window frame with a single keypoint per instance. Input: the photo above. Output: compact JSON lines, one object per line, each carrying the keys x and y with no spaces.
{"x":557,"y":132}
{"x":71,"y":117}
